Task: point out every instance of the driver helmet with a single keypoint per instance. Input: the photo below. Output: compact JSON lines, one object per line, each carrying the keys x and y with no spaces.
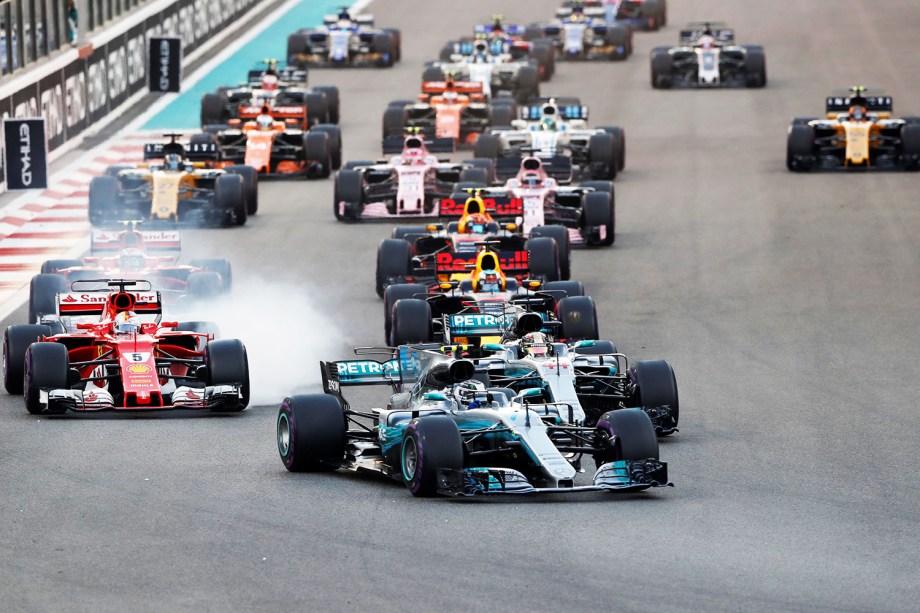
{"x":536,"y":344}
{"x":413,"y":155}
{"x":127,"y":322}
{"x":707,"y":41}
{"x":172,"y":161}
{"x":488,"y":281}
{"x":476,"y":223}
{"x":548,"y":123}
{"x":265,"y":123}
{"x":497,"y":46}
{"x":269,"y":81}
{"x":857,"y":113}
{"x":465,"y":393}
{"x":131,"y":259}
{"x":344,"y":15}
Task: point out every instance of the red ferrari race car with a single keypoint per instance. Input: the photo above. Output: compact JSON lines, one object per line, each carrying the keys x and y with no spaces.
{"x":133,"y":254}
{"x":123,"y":359}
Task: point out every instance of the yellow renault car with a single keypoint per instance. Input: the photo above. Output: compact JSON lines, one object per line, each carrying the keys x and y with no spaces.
{"x":857,"y":132}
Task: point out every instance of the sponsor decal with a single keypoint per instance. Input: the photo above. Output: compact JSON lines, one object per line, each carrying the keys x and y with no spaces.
{"x":138,"y":369}
{"x":165,"y":57}
{"x":354,"y":369}
{"x":478,"y":320}
{"x":25,"y":154}
{"x":459,"y":262}
{"x":500,"y":206}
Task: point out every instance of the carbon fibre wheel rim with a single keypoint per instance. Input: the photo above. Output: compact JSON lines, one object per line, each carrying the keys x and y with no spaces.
{"x":409,"y":459}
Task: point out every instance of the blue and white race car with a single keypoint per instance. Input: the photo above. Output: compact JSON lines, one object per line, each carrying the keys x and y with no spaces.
{"x":344,"y":40}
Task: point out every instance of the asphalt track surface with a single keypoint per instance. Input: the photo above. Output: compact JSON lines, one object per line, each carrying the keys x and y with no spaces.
{"x":786,"y":303}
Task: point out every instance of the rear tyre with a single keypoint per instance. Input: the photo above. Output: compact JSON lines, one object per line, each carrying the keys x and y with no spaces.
{"x":46,"y":368}
{"x":543,"y":258}
{"x":311,"y":431}
{"x":383,"y":44}
{"x":221,"y":267}
{"x":567,"y":289}
{"x":619,"y":39}
{"x":16,"y":341}
{"x":43,"y":291}
{"x":228,"y":364}
{"x":579,"y":318}
{"x":103,"y":199}
{"x":394,"y":121}
{"x":213,"y":109}
{"x":297,"y":44}
{"x":488,"y":146}
{"x":528,"y":85}
{"x":910,"y":146}
{"x":545,"y":55}
{"x":335,"y":142}
{"x":755,"y":67}
{"x":394,"y":257}
{"x":411,"y":322}
{"x":619,"y":140}
{"x":432,"y":73}
{"x":429,"y":444}
{"x":502,"y":115}
{"x":560,"y":234}
{"x":654,"y":385}
{"x":250,"y":186}
{"x":393,"y":294}
{"x":204,"y":286}
{"x":333,"y":101}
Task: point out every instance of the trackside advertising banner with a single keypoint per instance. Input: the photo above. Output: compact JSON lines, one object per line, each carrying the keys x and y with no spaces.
{"x":72,"y":99}
{"x":165,"y":62}
{"x":26,"y":156}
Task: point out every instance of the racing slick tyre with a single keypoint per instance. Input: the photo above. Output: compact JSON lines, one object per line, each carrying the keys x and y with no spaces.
{"x":409,"y":234}
{"x":204,"y":285}
{"x":349,"y":193}
{"x":598,"y":348}
{"x":394,"y":121}
{"x":250,"y":186}
{"x":800,"y":148}
{"x":446,"y":51}
{"x":228,"y":364}
{"x":543,"y":258}
{"x":545,"y":55}
{"x":317,"y":149}
{"x":618,"y":37}
{"x":333,"y":101}
{"x":46,"y":367}
{"x":103,"y":199}
{"x":411,"y":322}
{"x":487,"y":164}
{"x":560,"y":234}
{"x":16,"y":341}
{"x":619,"y":139}
{"x":602,"y":156}
{"x":297,"y":44}
{"x":910,"y":146}
{"x":528,"y":84}
{"x":662,"y":68}
{"x":632,"y":433}
{"x":219,"y":265}
{"x":534,"y":32}
{"x":317,"y":108}
{"x":432,"y":73}
{"x":654,"y":385}
{"x":53,"y":266}
{"x":228,"y":197}
{"x":43,"y":291}
{"x":501,"y":115}
{"x":396,"y":35}
{"x":488,"y":146}
{"x":199,"y":327}
{"x":578,"y":316}
{"x":394,"y":260}
{"x":755,"y":66}
{"x":474,"y":175}
{"x":599,"y":212}
{"x":653,"y":11}
{"x":311,"y":433}
{"x":213,"y":109}
{"x":429,"y":444}
{"x":566,"y":289}
{"x":383,"y":44}
{"x":335,"y":142}
{"x":393,"y":294}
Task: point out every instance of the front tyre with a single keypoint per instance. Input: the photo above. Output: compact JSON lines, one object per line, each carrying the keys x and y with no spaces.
{"x":429,"y":444}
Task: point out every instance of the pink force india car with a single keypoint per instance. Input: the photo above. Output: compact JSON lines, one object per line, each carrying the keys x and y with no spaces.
{"x":410,"y":184}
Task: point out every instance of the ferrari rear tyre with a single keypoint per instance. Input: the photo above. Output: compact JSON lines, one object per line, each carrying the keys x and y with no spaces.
{"x":219,"y":265}
{"x":43,"y":291}
{"x":204,"y":286}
